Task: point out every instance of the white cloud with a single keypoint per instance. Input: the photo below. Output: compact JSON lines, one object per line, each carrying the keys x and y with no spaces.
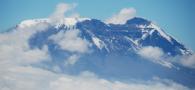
{"x":72,"y":60}
{"x":31,"y":78}
{"x":14,"y":46}
{"x":151,"y":52}
{"x":15,"y":52}
{"x":155,"y":54}
{"x":24,"y":78}
{"x":188,"y":61}
{"x":70,"y":41}
{"x":61,"y":10}
{"x":121,"y":18}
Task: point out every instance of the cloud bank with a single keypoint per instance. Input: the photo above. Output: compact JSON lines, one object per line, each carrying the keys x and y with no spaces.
{"x":31,"y":78}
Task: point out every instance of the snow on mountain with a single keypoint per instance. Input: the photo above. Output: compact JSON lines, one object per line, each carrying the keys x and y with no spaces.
{"x":65,"y":21}
{"x":98,"y":42}
{"x":31,"y":22}
{"x":163,"y":34}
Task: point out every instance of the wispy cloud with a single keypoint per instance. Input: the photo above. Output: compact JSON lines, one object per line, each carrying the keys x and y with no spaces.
{"x":155,"y":55}
{"x":187,"y":61}
{"x":72,"y":59}
{"x":70,"y":41}
{"x":61,"y":10}
{"x":14,"y":45}
{"x":121,"y":17}
{"x":151,"y":52}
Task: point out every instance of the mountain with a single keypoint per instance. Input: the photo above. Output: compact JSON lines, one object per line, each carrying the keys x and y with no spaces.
{"x":112,"y":49}
{"x":129,"y":37}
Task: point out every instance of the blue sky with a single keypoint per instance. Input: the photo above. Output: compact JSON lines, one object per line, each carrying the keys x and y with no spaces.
{"x":176,"y":17}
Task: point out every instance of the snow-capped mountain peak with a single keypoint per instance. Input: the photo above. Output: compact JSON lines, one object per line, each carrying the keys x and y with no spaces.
{"x":31,"y":22}
{"x":131,"y":36}
{"x":65,"y":21}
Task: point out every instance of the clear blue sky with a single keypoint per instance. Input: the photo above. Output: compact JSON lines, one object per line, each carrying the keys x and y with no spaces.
{"x":176,"y":17}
